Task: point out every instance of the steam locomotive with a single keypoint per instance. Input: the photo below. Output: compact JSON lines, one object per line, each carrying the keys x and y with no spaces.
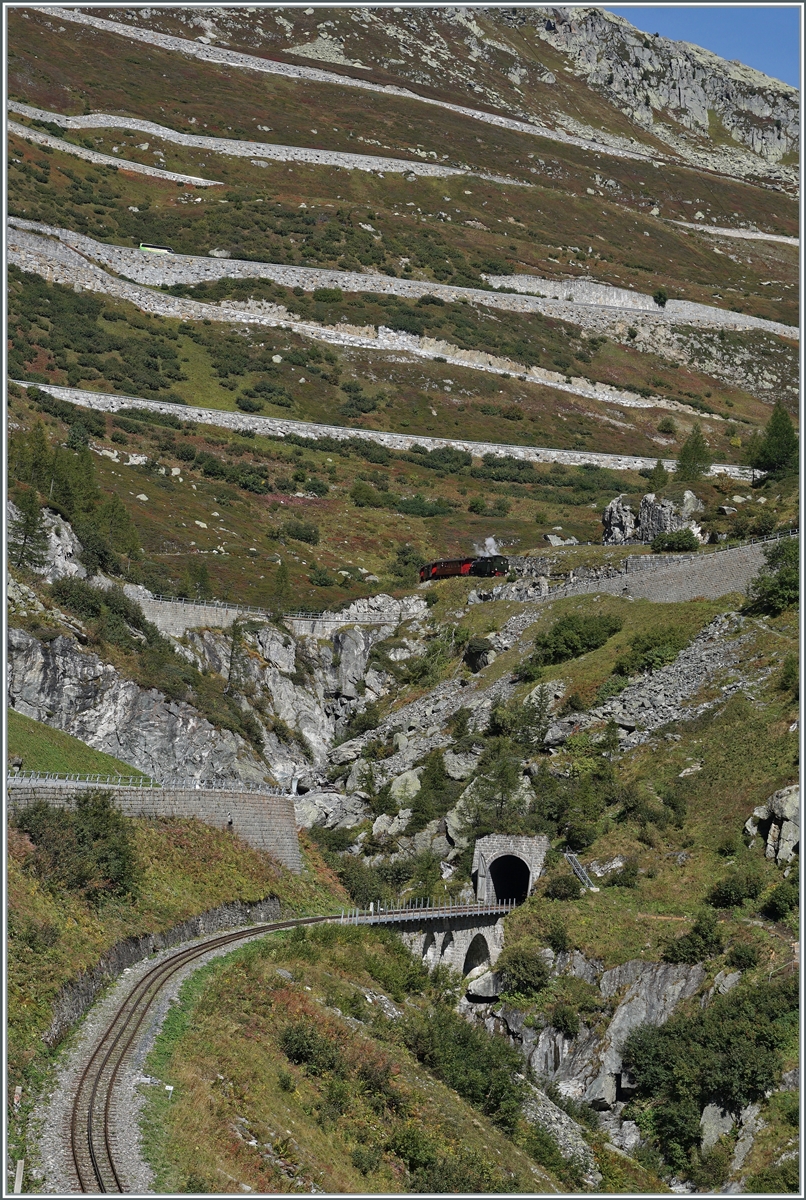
{"x":444,"y":568}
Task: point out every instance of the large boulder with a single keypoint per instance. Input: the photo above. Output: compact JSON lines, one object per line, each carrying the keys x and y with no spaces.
{"x":778,"y":822}
{"x":665,"y":516}
{"x":620,"y":525}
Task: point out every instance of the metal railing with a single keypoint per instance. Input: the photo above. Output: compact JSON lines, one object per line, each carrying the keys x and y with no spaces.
{"x":380,"y":914}
{"x":144,"y":782}
{"x":580,"y":872}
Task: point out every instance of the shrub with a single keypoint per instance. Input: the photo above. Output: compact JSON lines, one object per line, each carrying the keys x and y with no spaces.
{"x":366,"y":1159}
{"x":364,"y":721}
{"x":772,"y":1181}
{"x":730,"y":892}
{"x":484,"y":1070}
{"x":88,"y":849}
{"x":321,"y":577}
{"x":245,"y":404}
{"x":328,"y":295}
{"x":524,"y":970}
{"x":777,"y":585}
{"x":680,"y":540}
{"x":627,"y":877}
{"x":743,"y":956}
{"x":564,"y":887}
{"x":660,"y":297}
{"x":701,"y":942}
{"x":667,"y":425}
{"x":565,"y":1018}
{"x":304,"y":1044}
{"x":783,"y":899}
{"x":572,"y":636}
{"x":301,"y":531}
{"x":649,"y":651}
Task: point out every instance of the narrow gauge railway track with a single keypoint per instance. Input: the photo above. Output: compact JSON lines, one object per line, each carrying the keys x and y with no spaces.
{"x":93,"y":1109}
{"x":92,"y":1114}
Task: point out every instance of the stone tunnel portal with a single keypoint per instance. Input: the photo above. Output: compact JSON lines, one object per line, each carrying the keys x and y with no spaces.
{"x":510,"y":877}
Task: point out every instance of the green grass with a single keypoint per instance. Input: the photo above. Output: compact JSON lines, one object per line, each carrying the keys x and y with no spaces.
{"x":43,"y":748}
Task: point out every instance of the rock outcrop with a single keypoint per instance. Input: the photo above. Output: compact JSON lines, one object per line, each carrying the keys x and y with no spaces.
{"x":778,"y":822}
{"x":620,"y":525}
{"x":655,"y":516}
{"x":71,"y":689}
{"x":63,"y":554}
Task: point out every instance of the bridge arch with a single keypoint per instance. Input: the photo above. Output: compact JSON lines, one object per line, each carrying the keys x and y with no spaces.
{"x":477,"y":955}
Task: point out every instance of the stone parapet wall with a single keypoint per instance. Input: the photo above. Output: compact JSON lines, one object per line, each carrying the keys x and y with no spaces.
{"x":263,"y":821}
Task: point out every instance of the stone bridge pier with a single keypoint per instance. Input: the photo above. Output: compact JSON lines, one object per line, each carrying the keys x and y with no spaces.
{"x":461,"y":942}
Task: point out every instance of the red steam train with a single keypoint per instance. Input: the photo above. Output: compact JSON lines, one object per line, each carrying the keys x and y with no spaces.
{"x":445,"y":568}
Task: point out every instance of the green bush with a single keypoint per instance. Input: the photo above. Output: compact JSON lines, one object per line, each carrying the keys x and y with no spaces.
{"x":784,"y":898}
{"x":777,"y":1180}
{"x":777,"y":585}
{"x":301,"y":531}
{"x":701,"y":942}
{"x":88,"y":848}
{"x":650,"y":651}
{"x":743,"y":956}
{"x":484,"y":1070}
{"x":564,"y":887}
{"x":303,"y":1044}
{"x":680,"y":540}
{"x":328,"y":295}
{"x":524,"y":970}
{"x":735,"y":889}
{"x":572,"y":636}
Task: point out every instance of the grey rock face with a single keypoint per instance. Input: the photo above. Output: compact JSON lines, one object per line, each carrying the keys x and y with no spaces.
{"x":330,"y":809}
{"x":541,"y":1111}
{"x":650,"y":1000}
{"x":713,"y":1123}
{"x":664,"y":516}
{"x":459,"y":766}
{"x":619,"y":523}
{"x":647,"y":75}
{"x":63,"y":554}
{"x":780,"y":820}
{"x":63,"y":686}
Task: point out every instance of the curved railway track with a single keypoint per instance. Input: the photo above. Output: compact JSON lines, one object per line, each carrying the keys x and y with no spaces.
{"x":91,"y":1118}
{"x":92,"y":1142}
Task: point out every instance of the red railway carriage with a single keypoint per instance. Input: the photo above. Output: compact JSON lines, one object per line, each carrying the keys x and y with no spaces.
{"x":445,"y":568}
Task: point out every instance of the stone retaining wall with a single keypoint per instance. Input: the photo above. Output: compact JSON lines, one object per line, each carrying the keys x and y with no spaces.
{"x":263,"y":821}
{"x":76,"y":997}
{"x":279,"y":427}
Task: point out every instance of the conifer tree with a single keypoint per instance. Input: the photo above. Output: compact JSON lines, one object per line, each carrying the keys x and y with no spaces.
{"x":27,"y":536}
{"x":776,"y":451}
{"x":695,"y":457}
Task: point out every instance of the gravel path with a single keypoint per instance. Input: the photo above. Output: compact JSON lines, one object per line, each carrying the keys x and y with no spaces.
{"x":280,"y":426}
{"x":375,"y":164}
{"x":50,"y":1163}
{"x":106,"y":160}
{"x":251,"y":62}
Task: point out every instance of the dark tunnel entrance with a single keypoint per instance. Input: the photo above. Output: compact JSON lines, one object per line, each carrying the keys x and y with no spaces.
{"x":510,"y":878}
